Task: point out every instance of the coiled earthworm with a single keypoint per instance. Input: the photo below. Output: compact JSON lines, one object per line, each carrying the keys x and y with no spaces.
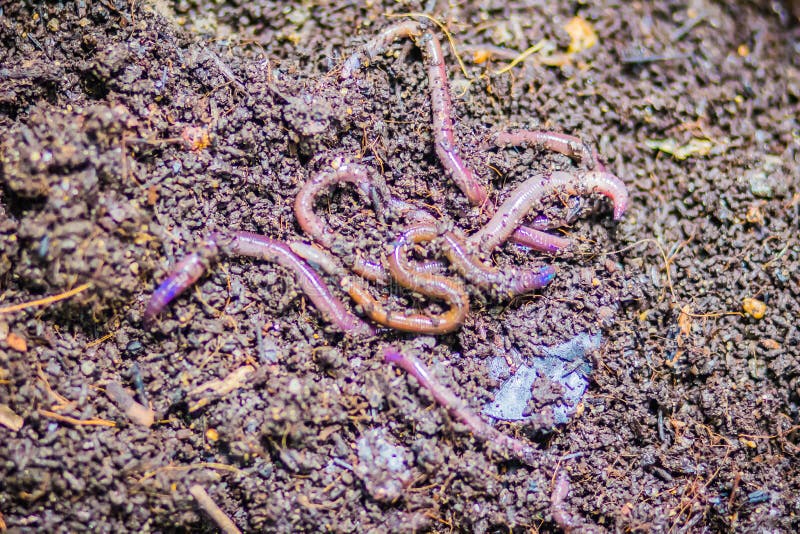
{"x":312,"y":224}
{"x":509,"y":282}
{"x":428,"y":284}
{"x":315,"y":227}
{"x":527,"y":194}
{"x":443,"y":129}
{"x":256,"y":246}
{"x":358,"y":175}
{"x":409,"y":322}
{"x":458,"y":409}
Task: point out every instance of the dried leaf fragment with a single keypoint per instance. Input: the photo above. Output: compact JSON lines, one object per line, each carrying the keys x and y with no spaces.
{"x":754,"y":307}
{"x":17,"y":342}
{"x":9,"y":419}
{"x":582,"y":34}
{"x":695,"y":147}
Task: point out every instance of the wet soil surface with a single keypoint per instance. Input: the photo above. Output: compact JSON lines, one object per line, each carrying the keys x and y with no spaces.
{"x":131,"y":129}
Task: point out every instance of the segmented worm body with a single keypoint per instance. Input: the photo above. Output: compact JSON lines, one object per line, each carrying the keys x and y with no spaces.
{"x":458,"y":409}
{"x":429,"y":284}
{"x":565,"y":144}
{"x":558,"y":508}
{"x":443,"y":129}
{"x":531,"y":191}
{"x":509,"y":282}
{"x":185,"y":273}
{"x":308,"y":220}
{"x":257,"y":246}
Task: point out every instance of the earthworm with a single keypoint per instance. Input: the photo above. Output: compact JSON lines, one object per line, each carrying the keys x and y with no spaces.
{"x":329,"y":306}
{"x":317,"y":257}
{"x":315,"y":227}
{"x":539,"y":240}
{"x":430,"y":285}
{"x":510,"y":281}
{"x":378,"y":45}
{"x":443,"y":130}
{"x":558,"y":508}
{"x":312,"y":224}
{"x":186,"y":272}
{"x":457,"y":408}
{"x":527,"y":194}
{"x":369,"y":270}
{"x":252,"y":245}
{"x":565,"y":144}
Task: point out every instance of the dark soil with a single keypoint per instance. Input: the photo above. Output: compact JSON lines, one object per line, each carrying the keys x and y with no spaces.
{"x":691,"y":419}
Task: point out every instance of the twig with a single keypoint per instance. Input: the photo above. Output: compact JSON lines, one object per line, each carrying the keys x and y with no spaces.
{"x":200,"y":465}
{"x":9,"y":419}
{"x":139,"y":414}
{"x":233,"y":381}
{"x":45,"y":301}
{"x":214,"y":512}
{"x":522,"y":57}
{"x":73,"y":421}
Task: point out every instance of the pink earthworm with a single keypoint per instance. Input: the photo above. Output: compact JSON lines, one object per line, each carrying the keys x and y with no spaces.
{"x":443,"y":129}
{"x":429,"y":284}
{"x":558,"y":508}
{"x":568,"y":145}
{"x":185,"y":273}
{"x":510,"y":281}
{"x":315,"y":227}
{"x":442,"y":323}
{"x":322,"y":260}
{"x":325,"y":262}
{"x":309,"y":221}
{"x":360,"y":176}
{"x":527,"y":194}
{"x":253,"y":245}
{"x":458,"y":409}
{"x":378,"y":45}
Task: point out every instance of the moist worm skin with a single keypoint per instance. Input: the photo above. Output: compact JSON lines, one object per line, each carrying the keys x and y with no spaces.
{"x":361,"y":177}
{"x":558,"y":508}
{"x":565,"y":144}
{"x":315,"y":227}
{"x":530,"y":192}
{"x":458,"y":409}
{"x":330,"y":307}
{"x":412,"y":322}
{"x":443,"y":130}
{"x":428,"y":284}
{"x":185,"y":273}
{"x":509,"y":282}
{"x":188,"y":270}
{"x":309,"y":221}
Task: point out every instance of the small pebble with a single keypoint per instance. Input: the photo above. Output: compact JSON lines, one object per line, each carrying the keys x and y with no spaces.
{"x":134,"y":347}
{"x":88,"y":367}
{"x":760,"y":185}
